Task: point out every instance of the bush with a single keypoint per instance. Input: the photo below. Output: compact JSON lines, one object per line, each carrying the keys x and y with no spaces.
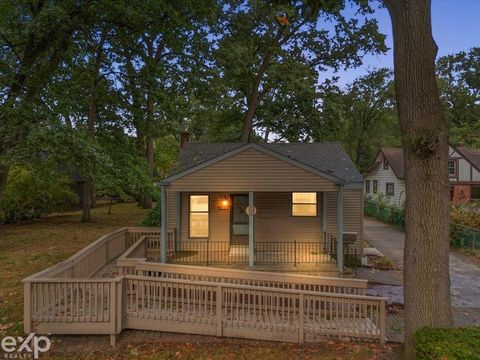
{"x":380,"y":209}
{"x":153,"y":217}
{"x":450,"y":344}
{"x":468,"y":215}
{"x":31,"y":193}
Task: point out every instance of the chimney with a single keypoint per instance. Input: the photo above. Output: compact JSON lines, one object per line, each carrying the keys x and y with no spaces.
{"x":184,"y":138}
{"x":461,"y":144}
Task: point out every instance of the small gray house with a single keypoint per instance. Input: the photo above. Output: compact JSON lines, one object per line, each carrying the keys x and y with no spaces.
{"x":268,"y":204}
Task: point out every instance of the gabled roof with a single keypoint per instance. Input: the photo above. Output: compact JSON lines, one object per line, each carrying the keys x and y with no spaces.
{"x":397,"y":162}
{"x":471,"y":155}
{"x":328,"y":159}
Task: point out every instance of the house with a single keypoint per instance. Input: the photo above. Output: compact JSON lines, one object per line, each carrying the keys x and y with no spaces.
{"x":262,"y":203}
{"x":386,"y":176}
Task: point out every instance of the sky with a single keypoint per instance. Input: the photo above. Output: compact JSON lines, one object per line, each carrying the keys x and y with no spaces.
{"x":455,"y":25}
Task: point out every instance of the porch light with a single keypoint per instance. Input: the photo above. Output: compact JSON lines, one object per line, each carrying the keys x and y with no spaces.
{"x":224,"y":204}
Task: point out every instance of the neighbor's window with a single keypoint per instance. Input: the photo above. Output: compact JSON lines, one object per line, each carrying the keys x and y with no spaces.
{"x":385,"y":163}
{"x":390,"y":190}
{"x":452,"y":167}
{"x":475,"y":195}
{"x":198,"y":216}
{"x":304,"y":204}
{"x":367,"y":186}
{"x":375,"y":186}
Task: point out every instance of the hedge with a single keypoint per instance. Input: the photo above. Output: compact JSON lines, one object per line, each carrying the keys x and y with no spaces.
{"x":459,"y":343}
{"x":380,"y":209}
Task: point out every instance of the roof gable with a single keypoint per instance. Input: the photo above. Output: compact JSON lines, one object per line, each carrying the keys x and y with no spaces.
{"x":327,"y":160}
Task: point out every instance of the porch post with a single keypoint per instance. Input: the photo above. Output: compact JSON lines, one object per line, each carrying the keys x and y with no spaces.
{"x":340,"y":257}
{"x":164,"y":225}
{"x":251,"y":246}
{"x":178,"y":232}
{"x":324,"y":212}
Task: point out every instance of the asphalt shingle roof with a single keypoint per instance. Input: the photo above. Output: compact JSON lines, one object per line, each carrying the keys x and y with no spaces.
{"x":328,"y":157}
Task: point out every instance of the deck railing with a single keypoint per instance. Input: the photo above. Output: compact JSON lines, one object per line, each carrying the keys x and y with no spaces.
{"x":209,"y":301}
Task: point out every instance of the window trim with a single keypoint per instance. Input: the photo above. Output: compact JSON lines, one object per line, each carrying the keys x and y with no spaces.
{"x":367,"y":186}
{"x":455,"y":164}
{"x":299,"y":203}
{"x":198,"y":212}
{"x":393,"y":189}
{"x":375,"y":187}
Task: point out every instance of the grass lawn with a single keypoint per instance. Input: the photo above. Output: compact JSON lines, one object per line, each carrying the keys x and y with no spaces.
{"x":34,"y":245}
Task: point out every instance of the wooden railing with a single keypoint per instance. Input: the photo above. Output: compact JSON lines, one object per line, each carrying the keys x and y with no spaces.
{"x":209,"y":301}
{"x":232,"y":310}
{"x":252,"y":278}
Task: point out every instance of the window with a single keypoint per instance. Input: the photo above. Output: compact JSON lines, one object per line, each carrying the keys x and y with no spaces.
{"x":375,"y":186}
{"x":385,"y":163}
{"x":198,"y":216}
{"x":452,"y":167}
{"x":390,"y":189}
{"x":475,"y":195}
{"x":304,"y":204}
{"x":367,"y":186}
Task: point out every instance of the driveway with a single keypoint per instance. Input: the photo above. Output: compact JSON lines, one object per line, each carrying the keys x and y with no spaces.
{"x":464,"y":270}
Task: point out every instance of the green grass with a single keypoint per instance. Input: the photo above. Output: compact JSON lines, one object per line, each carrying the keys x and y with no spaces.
{"x":433,"y":344}
{"x":31,"y":246}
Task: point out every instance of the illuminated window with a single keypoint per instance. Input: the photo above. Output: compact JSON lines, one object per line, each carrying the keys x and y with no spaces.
{"x":304,"y":204}
{"x":198,"y":216}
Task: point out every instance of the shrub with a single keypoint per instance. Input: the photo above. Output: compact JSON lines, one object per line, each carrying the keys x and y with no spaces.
{"x":153,"y":217}
{"x":31,"y":193}
{"x":379,"y":208}
{"x":463,"y":343}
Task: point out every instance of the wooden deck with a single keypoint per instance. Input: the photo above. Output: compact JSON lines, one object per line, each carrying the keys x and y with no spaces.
{"x":129,"y":292}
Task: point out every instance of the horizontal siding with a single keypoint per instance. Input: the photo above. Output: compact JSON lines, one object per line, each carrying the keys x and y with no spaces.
{"x":274,"y":222}
{"x":251,"y":170}
{"x":384,"y":176}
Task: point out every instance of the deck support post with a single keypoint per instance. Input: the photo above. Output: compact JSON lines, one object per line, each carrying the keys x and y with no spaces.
{"x":340,"y":257}
{"x":251,"y":245}
{"x":164,"y":225}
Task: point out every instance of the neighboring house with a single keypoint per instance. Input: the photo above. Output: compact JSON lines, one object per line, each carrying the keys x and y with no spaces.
{"x":386,"y":175}
{"x":295,"y":191}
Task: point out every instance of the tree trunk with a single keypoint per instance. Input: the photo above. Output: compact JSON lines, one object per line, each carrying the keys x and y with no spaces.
{"x":147,"y":199}
{"x":93,"y":196}
{"x":87,"y":201}
{"x":4,"y":170}
{"x":425,"y":145}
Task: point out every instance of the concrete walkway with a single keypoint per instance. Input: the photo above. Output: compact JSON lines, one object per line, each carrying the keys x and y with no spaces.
{"x":464,"y":273}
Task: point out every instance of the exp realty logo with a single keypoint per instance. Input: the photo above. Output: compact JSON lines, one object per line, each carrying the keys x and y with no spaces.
{"x":24,"y":348}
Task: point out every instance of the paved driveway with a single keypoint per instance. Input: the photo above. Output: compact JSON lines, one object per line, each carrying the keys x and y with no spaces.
{"x":464,"y":271}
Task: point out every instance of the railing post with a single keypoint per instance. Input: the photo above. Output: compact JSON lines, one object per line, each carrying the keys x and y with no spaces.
{"x":301,"y":330}
{"x":121,"y":298}
{"x":295,"y":252}
{"x":382,"y":322}
{"x":27,"y":307}
{"x":219,"y":304}
{"x":113,"y":312}
{"x":208,"y":249}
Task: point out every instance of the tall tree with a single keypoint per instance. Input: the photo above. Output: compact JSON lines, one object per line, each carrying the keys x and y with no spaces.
{"x":270,"y":53}
{"x":425,"y":145}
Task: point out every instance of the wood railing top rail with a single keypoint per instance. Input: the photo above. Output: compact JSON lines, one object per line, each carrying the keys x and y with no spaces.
{"x":75,"y":280}
{"x":252,"y":275}
{"x":253,"y":287}
{"x":136,"y":244}
{"x":66,"y":264}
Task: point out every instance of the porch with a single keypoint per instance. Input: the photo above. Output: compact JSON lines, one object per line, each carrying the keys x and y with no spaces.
{"x":285,"y":230}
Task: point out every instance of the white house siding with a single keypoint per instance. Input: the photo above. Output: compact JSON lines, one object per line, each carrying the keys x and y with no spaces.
{"x":466,"y":172}
{"x":385,"y":176}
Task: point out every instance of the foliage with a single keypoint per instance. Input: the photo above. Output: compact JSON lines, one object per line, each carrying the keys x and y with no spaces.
{"x":153,"y":217}
{"x":379,"y":208}
{"x":460,"y":343}
{"x":459,"y":85}
{"x":33,"y":192}
{"x":467,"y":214}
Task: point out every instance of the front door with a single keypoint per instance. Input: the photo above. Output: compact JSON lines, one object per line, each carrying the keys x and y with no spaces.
{"x":239,"y":220}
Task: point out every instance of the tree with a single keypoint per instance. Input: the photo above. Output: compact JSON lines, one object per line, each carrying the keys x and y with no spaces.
{"x":34,"y":37}
{"x":424,"y":134}
{"x":269,"y":54}
{"x":459,"y":83}
{"x":362,"y":116}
